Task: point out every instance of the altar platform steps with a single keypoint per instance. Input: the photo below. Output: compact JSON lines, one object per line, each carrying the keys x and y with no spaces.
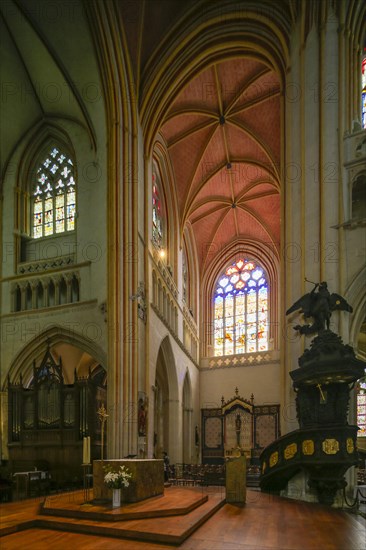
{"x":172,"y":503}
{"x":170,"y":518}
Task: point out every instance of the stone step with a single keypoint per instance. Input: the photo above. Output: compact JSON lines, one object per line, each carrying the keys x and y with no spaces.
{"x":172,"y":530}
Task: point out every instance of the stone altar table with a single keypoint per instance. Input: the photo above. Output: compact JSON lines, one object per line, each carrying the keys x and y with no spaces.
{"x":147,"y":479}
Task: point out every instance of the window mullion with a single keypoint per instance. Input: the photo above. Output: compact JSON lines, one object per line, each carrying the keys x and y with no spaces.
{"x":54,"y":212}
{"x":243,"y":279}
{"x":224,"y":325}
{"x":246,"y":321}
{"x":55,"y":175}
{"x":256,"y":320}
{"x":234,"y":322}
{"x":43,"y":217}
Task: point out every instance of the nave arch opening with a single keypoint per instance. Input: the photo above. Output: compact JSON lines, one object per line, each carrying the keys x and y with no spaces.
{"x":53,"y":404}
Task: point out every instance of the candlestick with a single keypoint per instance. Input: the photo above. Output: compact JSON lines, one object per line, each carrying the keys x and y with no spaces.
{"x":84,"y":451}
{"x":88,"y":450}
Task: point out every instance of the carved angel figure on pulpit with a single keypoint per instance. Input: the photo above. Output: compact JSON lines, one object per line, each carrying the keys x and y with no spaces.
{"x":318,"y":305}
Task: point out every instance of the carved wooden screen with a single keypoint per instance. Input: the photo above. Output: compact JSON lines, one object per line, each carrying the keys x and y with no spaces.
{"x":266,"y":426}
{"x":259,"y":426}
{"x":212,"y":436}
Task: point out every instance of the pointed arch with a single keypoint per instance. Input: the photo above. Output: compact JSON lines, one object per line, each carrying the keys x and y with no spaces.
{"x":161,"y":163}
{"x":22,"y":362}
{"x":192,"y":283}
{"x":37,"y":145}
{"x":166,"y":399}
{"x":267,"y":256}
{"x":356,"y":296}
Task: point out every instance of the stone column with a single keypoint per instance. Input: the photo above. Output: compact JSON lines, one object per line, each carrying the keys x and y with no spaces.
{"x":175,"y":439}
{"x":34,"y":287}
{"x":68,"y":278}
{"x":23,"y":296}
{"x":46,"y":283}
{"x":56,"y":281}
{"x":13,"y":302}
{"x":4,"y":453}
{"x":187,"y":434}
{"x":330,"y":269}
{"x":311,"y":181}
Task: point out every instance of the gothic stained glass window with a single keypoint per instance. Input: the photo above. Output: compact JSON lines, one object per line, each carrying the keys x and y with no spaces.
{"x":185,"y":275}
{"x":241,"y":316}
{"x":157,"y":229}
{"x":54,"y":198}
{"x":361,"y":409}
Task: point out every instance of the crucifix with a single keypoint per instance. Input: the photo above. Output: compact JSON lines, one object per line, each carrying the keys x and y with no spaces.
{"x":102,"y":413}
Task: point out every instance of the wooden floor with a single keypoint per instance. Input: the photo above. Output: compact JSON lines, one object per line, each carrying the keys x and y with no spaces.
{"x":265,"y":522}
{"x":174,"y":502}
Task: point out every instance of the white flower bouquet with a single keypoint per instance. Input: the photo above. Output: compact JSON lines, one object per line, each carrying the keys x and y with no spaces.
{"x":117,"y":479}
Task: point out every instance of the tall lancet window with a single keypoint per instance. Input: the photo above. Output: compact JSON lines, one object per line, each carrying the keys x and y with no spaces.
{"x":157,"y":212}
{"x":185,"y":277}
{"x":54,"y":196}
{"x":241,"y":316}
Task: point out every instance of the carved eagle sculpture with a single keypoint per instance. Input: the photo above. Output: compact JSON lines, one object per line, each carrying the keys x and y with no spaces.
{"x":318,"y":305}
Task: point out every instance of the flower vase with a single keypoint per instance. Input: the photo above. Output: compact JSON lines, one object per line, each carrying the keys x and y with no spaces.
{"x":116,"y":498}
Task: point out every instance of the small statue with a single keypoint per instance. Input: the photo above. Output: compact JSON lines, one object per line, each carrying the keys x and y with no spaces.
{"x":141,"y":418}
{"x":318,"y":305}
{"x":196,"y":436}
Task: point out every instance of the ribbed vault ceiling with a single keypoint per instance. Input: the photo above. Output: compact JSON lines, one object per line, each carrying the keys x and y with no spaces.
{"x":46,"y":77}
{"x":222,"y":130}
{"x":223,"y":138}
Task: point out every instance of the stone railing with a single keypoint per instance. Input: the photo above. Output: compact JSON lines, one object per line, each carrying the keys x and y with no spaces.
{"x":38,"y":266}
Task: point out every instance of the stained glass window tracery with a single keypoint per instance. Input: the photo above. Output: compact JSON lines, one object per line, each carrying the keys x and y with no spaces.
{"x":54,"y":197}
{"x":157,"y":219}
{"x":361,"y":409}
{"x":241,"y":315}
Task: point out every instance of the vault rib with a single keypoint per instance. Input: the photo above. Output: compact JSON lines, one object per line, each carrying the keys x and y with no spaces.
{"x":259,"y":142}
{"x":190,"y":132}
{"x":245,"y":86}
